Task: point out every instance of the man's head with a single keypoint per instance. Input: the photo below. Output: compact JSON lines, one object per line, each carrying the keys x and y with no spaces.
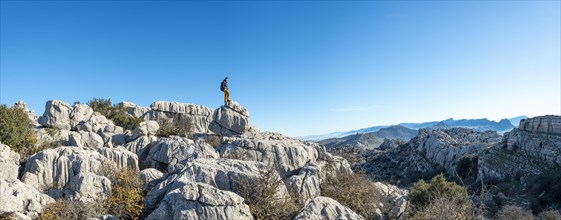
{"x":226,"y":79}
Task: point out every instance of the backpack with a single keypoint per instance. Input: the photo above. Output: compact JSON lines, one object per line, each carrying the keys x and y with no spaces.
{"x":222,"y":86}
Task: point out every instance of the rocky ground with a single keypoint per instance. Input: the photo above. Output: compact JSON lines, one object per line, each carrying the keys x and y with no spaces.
{"x":194,"y":177}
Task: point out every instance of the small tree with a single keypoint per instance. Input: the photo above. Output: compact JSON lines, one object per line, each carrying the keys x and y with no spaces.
{"x":16,"y":131}
{"x":117,"y":114}
{"x":423,"y":194}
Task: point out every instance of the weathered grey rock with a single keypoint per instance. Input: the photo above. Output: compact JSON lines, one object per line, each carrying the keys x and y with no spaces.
{"x":167,"y":152}
{"x":9,"y":163}
{"x":287,"y":154}
{"x":151,"y":178}
{"x":54,"y":168}
{"x":141,"y":146}
{"x":145,"y":128}
{"x":326,"y":208}
{"x":189,"y":200}
{"x":549,"y":124}
{"x":86,"y":139}
{"x":395,"y":203}
{"x":306,"y":183}
{"x":57,"y":114}
{"x":19,"y":198}
{"x":531,"y":149}
{"x":87,"y":187}
{"x":134,"y":109}
{"x":79,"y":113}
{"x":105,"y":217}
{"x":121,"y":156}
{"x":193,"y":118}
{"x":230,"y":119}
{"x":98,"y":124}
{"x":224,"y":174}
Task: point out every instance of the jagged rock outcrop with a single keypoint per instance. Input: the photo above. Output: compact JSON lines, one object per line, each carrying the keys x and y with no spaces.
{"x":533,"y":148}
{"x":306,"y":183}
{"x":429,"y":153}
{"x":120,"y":156}
{"x":134,"y":109}
{"x":85,"y":139}
{"x":54,"y":168}
{"x":326,"y":208}
{"x":549,"y":124}
{"x":146,"y":128}
{"x":193,"y":118}
{"x":87,"y":187}
{"x":185,"y":199}
{"x":230,"y":119}
{"x":224,"y":174}
{"x":9,"y":163}
{"x":79,"y":113}
{"x":167,"y":152}
{"x":151,"y":177}
{"x":57,"y":114}
{"x":287,"y":154}
{"x":395,"y":203}
{"x":141,"y":145}
{"x":30,"y":114}
{"x":21,"y":199}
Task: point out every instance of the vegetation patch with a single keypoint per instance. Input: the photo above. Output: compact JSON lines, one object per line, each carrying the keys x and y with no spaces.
{"x":115,"y":113}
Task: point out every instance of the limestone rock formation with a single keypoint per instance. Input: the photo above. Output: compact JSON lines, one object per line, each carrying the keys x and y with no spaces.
{"x":230,"y":119}
{"x":86,"y":139}
{"x":9,"y":163}
{"x":87,"y":187}
{"x":141,"y":145}
{"x":57,"y":114}
{"x":395,"y":202}
{"x":326,"y":208}
{"x":189,"y":200}
{"x":151,"y":177}
{"x":146,"y":128}
{"x":534,"y":148}
{"x":21,"y":199}
{"x":30,"y":114}
{"x":193,"y":118}
{"x":549,"y":124}
{"x":224,"y":174}
{"x":134,"y":109}
{"x":167,"y":152}
{"x":54,"y":168}
{"x":80,"y":112}
{"x":120,"y":156}
{"x":272,"y":148}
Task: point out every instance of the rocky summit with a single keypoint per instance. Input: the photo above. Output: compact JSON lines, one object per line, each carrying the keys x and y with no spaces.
{"x":201,"y":173}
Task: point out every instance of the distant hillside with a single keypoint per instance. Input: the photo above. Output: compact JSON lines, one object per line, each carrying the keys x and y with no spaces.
{"x":516,"y":120}
{"x":371,"y":140}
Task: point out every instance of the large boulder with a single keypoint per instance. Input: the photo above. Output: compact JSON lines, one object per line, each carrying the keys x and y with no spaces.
{"x":80,"y":112}
{"x":57,"y":114}
{"x":230,"y":119}
{"x":87,"y":187}
{"x":86,"y":139}
{"x":151,"y":177}
{"x":288,"y":154}
{"x":193,"y":118}
{"x":224,"y":174}
{"x":189,"y":200}
{"x":326,"y":208}
{"x":9,"y":163}
{"x":141,"y":145}
{"x":145,"y":128}
{"x":134,"y":109}
{"x":167,"y":152}
{"x":121,"y":156}
{"x":395,"y":203}
{"x":20,"y":199}
{"x":98,"y":124}
{"x":54,"y":168}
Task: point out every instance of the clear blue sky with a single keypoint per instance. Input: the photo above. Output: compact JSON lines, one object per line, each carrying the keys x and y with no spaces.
{"x":299,"y":67}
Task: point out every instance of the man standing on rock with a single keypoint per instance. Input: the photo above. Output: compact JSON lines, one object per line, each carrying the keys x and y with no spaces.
{"x":224,"y":88}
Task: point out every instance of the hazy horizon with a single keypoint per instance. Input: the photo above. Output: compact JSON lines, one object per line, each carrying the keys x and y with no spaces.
{"x":300,"y":68}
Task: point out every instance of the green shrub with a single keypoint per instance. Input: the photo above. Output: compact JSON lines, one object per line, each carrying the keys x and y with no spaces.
{"x":354,"y":191}
{"x":422,"y":193}
{"x":117,"y":114}
{"x":127,"y":196}
{"x":444,"y":208}
{"x":510,"y":212}
{"x":16,"y":131}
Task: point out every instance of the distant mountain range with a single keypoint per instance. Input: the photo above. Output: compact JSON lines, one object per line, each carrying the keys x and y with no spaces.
{"x":373,"y":139}
{"x":484,"y":124}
